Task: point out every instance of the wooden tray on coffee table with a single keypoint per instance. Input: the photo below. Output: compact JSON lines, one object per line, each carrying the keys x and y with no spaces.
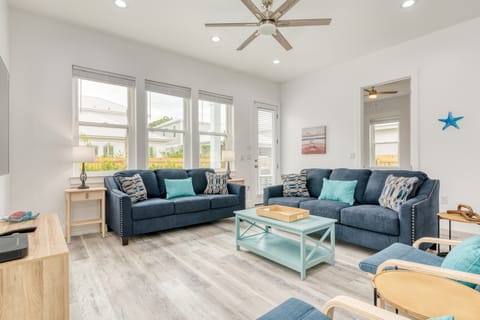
{"x":283,"y":213}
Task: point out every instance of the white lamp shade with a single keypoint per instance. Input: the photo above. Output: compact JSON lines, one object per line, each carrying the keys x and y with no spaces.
{"x":228,"y":155}
{"x":83,"y":154}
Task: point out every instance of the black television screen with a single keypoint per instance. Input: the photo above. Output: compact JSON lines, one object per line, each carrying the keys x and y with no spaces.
{"x":4,"y":118}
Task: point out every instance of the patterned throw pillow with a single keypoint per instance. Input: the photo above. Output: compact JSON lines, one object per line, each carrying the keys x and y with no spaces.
{"x":396,"y":191}
{"x":216,"y":183}
{"x":133,"y":186}
{"x":295,"y":185}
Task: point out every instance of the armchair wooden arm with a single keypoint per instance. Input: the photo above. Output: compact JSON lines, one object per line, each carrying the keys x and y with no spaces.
{"x":435,"y":271}
{"x":360,"y":308}
{"x":447,"y":242}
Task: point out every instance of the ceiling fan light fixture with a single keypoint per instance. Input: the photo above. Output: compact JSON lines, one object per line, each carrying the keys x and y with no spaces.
{"x":122,"y":4}
{"x":215,"y":39}
{"x":408,"y":3}
{"x":372,"y":96}
{"x":267,"y":28}
{"x":276,"y":61}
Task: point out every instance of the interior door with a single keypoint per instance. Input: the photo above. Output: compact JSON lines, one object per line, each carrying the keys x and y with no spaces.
{"x":266,"y":150}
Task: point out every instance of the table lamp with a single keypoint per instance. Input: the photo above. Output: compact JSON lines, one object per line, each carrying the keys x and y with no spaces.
{"x":228,"y":155}
{"x":83,"y":154}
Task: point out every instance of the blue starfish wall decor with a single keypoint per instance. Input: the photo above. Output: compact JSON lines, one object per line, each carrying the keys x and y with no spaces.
{"x":451,"y":121}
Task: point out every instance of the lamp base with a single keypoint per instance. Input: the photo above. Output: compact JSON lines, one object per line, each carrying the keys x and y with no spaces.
{"x":83,"y":187}
{"x":228,"y":172}
{"x":83,"y":178}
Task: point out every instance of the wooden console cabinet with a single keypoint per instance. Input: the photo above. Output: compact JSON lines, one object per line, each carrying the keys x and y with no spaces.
{"x":36,"y":287}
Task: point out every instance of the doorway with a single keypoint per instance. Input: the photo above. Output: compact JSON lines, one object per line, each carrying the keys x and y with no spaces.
{"x":387,"y":125}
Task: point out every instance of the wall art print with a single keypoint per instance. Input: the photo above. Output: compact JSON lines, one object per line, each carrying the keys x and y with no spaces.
{"x":314,"y":140}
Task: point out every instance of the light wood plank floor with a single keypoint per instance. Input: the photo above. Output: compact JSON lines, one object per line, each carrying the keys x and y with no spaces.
{"x":196,"y":273}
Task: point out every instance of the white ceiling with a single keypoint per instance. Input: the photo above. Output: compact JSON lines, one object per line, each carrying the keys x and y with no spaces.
{"x":358,"y":28}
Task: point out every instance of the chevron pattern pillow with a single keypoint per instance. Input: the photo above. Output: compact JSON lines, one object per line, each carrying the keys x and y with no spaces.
{"x":216,"y":183}
{"x":396,"y":191}
{"x":133,"y":186}
{"x":295,"y":185}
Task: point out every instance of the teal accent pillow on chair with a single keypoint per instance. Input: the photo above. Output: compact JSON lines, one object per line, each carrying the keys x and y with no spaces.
{"x":179,"y":188}
{"x":465,"y":257}
{"x":338,"y":190}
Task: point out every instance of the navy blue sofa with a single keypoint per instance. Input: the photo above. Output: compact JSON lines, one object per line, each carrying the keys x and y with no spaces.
{"x":157,"y":213}
{"x":366,"y":223}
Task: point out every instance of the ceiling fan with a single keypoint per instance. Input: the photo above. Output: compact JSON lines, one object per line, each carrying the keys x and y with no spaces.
{"x":373,"y":93}
{"x":269,"y":22}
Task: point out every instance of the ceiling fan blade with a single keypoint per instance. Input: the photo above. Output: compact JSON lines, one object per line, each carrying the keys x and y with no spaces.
{"x":367,"y":90}
{"x":281,"y":39}
{"x":232,"y":24}
{"x":304,"y":22}
{"x":252,"y":37}
{"x":387,"y":92}
{"x":287,"y":5}
{"x":254,"y":9}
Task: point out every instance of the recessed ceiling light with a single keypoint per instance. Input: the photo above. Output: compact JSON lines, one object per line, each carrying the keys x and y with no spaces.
{"x":120,"y":3}
{"x":408,"y":3}
{"x":276,"y":61}
{"x":216,"y":39}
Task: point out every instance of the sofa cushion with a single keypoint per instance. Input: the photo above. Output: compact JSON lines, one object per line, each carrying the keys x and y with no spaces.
{"x":216,"y":183}
{"x":361,"y":175}
{"x":376,"y":182}
{"x":163,"y":174}
{"x":294,"y":309}
{"x":396,"y":191}
{"x":337,"y":190}
{"x":152,"y":208}
{"x":222,"y":200}
{"x":315,"y":180}
{"x":288,"y":201}
{"x":324,"y":208}
{"x":190,"y":204}
{"x":402,"y":252}
{"x":199,"y":179}
{"x":295,"y":185}
{"x":148,"y":177}
{"x":371,"y":217}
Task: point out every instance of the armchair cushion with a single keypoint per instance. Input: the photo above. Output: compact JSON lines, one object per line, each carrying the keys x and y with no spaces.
{"x":402,"y":252}
{"x":465,"y":257}
{"x":294,"y":309}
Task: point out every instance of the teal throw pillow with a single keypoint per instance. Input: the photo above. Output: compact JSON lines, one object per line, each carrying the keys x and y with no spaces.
{"x":179,"y":188}
{"x":338,"y":190}
{"x":465,"y":257}
{"x":443,"y":318}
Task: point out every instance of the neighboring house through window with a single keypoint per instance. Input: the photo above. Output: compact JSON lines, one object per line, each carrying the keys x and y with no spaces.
{"x":384,"y":139}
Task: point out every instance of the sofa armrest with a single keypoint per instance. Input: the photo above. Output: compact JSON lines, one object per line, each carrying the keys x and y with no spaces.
{"x":271,"y":192}
{"x":118,"y":211}
{"x":418,"y":216}
{"x":238,"y":189}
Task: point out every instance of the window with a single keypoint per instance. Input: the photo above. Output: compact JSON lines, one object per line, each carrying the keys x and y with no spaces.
{"x":103,"y":102}
{"x":384,"y":137}
{"x":167,"y":109}
{"x":215,"y":128}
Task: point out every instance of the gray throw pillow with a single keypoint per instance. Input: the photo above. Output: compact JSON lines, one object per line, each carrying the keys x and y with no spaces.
{"x":396,"y":191}
{"x":133,"y":186}
{"x":216,"y":183}
{"x":295,"y":185}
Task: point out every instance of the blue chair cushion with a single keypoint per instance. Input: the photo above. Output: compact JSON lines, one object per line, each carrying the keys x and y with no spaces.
{"x":163,"y":174}
{"x":190,"y":204}
{"x":465,"y":257}
{"x":288,"y":201}
{"x":152,"y":208}
{"x":402,"y":252}
{"x":315,"y":180}
{"x":199,"y":179}
{"x":376,"y":182}
{"x":222,"y":200}
{"x":324,"y":208}
{"x":294,"y":309}
{"x":148,"y":177}
{"x":372,"y":218}
{"x":361,"y":175}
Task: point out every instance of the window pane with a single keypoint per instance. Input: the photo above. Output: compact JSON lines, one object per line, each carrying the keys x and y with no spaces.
{"x":386,"y":144}
{"x":211,"y":148}
{"x":165,"y":150}
{"x":212,"y":117}
{"x":386,"y":132}
{"x":102,"y":103}
{"x":165,"y":112}
{"x":110,"y":147}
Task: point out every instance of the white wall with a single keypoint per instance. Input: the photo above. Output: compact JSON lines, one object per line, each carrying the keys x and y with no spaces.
{"x":4,"y":53}
{"x":444,"y":67}
{"x":43,"y":51}
{"x":396,"y":107}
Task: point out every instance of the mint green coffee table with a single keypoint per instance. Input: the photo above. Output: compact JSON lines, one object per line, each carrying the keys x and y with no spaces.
{"x":295,"y":254}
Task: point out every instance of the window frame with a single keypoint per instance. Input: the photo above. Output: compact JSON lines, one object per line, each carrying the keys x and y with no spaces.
{"x":373,"y":144}
{"x":103,"y":77}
